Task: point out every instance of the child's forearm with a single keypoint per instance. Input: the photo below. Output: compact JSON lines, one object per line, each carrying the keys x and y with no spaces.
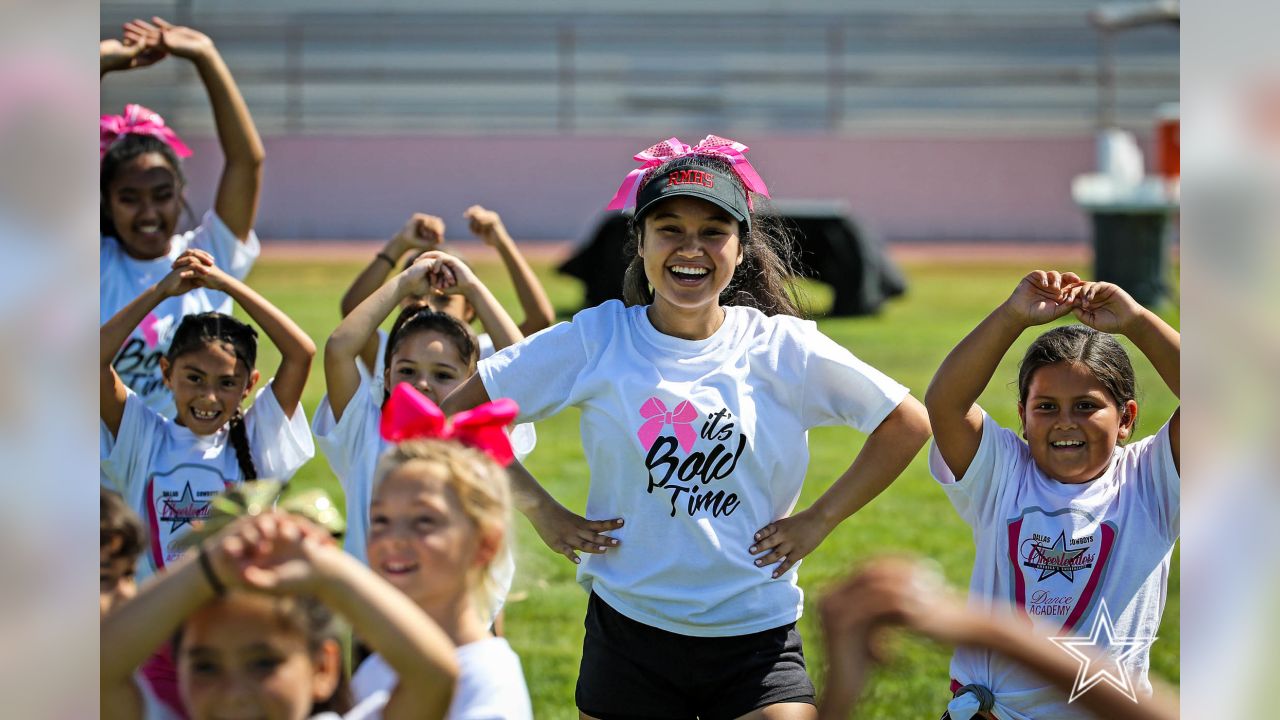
{"x":116,"y":331}
{"x":237,"y":199}
{"x":295,"y":346}
{"x":349,"y":337}
{"x":1052,"y":663}
{"x":968,"y":368}
{"x":372,"y":276}
{"x":538,"y":312}
{"x":501,"y":328}
{"x":1161,"y":344}
{"x":131,"y":632}
{"x":413,"y":645}
{"x":885,"y":455}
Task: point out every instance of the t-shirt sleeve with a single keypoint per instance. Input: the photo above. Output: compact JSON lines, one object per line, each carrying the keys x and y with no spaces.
{"x":234,"y":257}
{"x":1000,"y":455}
{"x":840,"y":389}
{"x":1161,"y":484}
{"x":345,"y":442}
{"x":129,"y":459}
{"x":280,"y":444}
{"x":540,"y":373}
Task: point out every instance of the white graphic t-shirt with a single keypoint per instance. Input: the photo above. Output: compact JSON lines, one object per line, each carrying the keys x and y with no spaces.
{"x":352,"y":446}
{"x":696,"y":444}
{"x":168,"y":474}
{"x":1055,"y":551}
{"x":122,"y":279}
{"x":490,"y":683}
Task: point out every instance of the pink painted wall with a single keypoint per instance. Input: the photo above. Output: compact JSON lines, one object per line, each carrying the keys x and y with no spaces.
{"x":553,"y":187}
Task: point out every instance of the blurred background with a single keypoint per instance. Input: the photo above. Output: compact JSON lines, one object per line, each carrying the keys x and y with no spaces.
{"x":930,"y":120}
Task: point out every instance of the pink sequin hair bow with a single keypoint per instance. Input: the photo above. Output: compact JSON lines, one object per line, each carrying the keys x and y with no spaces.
{"x":137,"y":120}
{"x":410,"y":415}
{"x":731,"y":151}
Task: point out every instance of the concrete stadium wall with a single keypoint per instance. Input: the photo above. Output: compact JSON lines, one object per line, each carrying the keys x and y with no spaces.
{"x":554,"y":187}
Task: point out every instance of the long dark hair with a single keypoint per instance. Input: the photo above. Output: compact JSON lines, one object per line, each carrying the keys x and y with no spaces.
{"x":762,"y":281}
{"x":120,"y":154}
{"x":421,"y":318}
{"x":197,"y":331}
{"x":1098,"y":351}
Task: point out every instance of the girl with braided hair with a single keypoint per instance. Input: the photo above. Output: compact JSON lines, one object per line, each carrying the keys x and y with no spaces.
{"x":168,"y":470}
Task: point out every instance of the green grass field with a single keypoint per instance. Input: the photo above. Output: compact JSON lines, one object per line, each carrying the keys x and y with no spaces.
{"x":907,"y":340}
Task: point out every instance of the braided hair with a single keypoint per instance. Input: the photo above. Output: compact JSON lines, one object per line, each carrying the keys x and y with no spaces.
{"x":197,"y":331}
{"x":126,"y":149}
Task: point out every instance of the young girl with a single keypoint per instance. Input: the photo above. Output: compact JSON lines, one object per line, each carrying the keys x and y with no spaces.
{"x":1065,"y":517}
{"x":168,"y":470}
{"x":432,"y":351}
{"x":426,"y":232}
{"x":142,"y":187}
{"x":696,"y":397}
{"x":438,"y":523}
{"x":251,"y":621}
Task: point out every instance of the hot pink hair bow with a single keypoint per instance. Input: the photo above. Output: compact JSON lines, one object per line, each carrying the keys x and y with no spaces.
{"x":732,"y":151}
{"x":680,"y":420}
{"x":410,"y":415}
{"x":137,"y":120}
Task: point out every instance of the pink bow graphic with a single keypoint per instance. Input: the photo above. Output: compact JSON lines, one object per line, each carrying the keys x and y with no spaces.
{"x":730,"y":150}
{"x":681,"y":422}
{"x":410,"y":415}
{"x":137,"y":120}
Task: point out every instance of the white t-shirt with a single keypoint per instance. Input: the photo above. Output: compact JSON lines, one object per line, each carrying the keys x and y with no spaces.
{"x":168,"y":474}
{"x":1055,"y":551}
{"x":490,"y":683}
{"x":122,"y":279}
{"x":523,"y":435}
{"x":352,"y":445}
{"x":696,"y":444}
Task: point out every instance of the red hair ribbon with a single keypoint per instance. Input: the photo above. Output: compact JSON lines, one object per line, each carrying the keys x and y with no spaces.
{"x":137,"y":120}
{"x":729,"y":150}
{"x":410,"y":415}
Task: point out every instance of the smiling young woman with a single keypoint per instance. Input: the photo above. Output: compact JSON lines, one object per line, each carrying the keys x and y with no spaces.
{"x":696,"y":396}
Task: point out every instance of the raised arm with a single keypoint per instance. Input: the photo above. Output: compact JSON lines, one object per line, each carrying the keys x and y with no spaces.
{"x":341,"y":376}
{"x":457,"y":278}
{"x":899,"y":592}
{"x":1041,"y":296}
{"x":563,"y":530}
{"x":112,"y":336}
{"x":242,"y":150}
{"x":886,"y":453}
{"x":422,"y":232}
{"x":1108,"y":308}
{"x":297,"y":350}
{"x":139,"y":46}
{"x":538,"y":313}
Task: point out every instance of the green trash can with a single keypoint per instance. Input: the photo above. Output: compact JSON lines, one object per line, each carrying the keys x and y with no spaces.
{"x":1131,"y":228}
{"x":1131,"y":249}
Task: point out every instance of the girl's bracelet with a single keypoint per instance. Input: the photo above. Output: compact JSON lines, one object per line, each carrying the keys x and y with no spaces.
{"x":206,"y":567}
{"x":390,"y":260}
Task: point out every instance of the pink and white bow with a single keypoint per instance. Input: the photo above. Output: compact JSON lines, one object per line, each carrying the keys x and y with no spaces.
{"x":730,"y":150}
{"x":137,"y":120}
{"x":657,"y":418}
{"x":410,"y":415}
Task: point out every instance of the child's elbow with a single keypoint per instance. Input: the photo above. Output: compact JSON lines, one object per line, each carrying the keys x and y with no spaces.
{"x":913,"y":422}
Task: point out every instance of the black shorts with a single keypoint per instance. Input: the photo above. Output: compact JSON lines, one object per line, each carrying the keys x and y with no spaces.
{"x":632,"y":671}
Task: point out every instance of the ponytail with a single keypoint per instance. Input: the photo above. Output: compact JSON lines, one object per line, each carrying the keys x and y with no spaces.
{"x":239,"y":437}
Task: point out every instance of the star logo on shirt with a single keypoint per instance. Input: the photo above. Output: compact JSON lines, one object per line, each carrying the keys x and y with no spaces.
{"x":1101,"y":656}
{"x":1056,"y":559}
{"x":183,"y":510}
